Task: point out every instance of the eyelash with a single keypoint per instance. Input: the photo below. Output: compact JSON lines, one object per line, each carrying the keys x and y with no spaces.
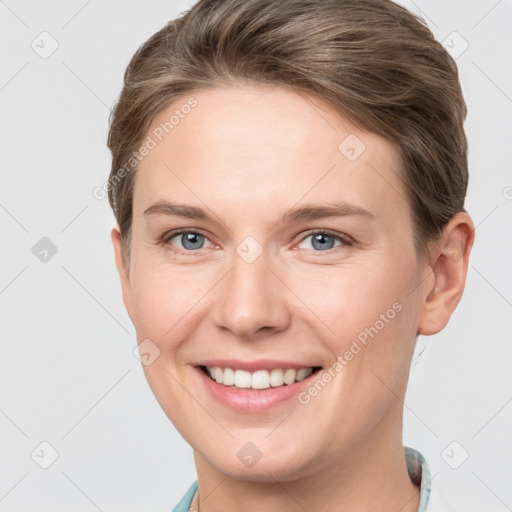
{"x":346,"y":241}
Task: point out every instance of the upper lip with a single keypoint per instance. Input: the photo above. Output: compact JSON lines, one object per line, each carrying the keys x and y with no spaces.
{"x":252,"y":366}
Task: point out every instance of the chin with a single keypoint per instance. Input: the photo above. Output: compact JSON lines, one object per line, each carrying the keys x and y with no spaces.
{"x":277,"y":464}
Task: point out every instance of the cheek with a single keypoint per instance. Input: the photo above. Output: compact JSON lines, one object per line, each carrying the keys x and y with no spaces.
{"x":363,"y":309}
{"x":164,"y":304}
{"x":155,"y":308}
{"x":353,"y":294}
{"x":166,"y":313}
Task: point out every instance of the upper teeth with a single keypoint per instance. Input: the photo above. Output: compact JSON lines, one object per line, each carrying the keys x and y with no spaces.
{"x":260,"y":379}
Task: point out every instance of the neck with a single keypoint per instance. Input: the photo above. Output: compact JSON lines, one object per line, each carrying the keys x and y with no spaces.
{"x":372,"y":475}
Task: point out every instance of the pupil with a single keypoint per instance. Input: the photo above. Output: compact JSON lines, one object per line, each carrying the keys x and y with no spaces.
{"x":319,"y":237}
{"x":191,"y":240}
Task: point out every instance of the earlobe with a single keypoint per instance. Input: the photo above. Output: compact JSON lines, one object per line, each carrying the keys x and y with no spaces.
{"x":449,"y":265}
{"x":122,"y":269}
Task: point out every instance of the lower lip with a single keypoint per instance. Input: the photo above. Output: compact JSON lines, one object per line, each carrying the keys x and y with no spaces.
{"x":253,"y":400}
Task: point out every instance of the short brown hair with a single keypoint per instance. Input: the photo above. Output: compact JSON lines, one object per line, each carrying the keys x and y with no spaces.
{"x":375,"y":62}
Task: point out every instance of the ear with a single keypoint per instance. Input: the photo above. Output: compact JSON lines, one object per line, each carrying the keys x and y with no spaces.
{"x":123,"y":270}
{"x":449,"y":259}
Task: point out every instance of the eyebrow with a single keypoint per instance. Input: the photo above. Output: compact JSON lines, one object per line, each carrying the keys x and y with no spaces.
{"x":304,"y":213}
{"x":178,"y":210}
{"x":312,"y":212}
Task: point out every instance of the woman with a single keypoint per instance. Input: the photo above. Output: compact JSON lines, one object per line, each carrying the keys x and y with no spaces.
{"x":288,"y":181}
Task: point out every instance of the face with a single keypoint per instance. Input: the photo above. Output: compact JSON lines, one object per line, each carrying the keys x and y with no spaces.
{"x":270,"y":234}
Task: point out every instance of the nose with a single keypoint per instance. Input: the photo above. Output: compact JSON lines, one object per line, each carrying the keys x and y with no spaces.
{"x":251,"y":301}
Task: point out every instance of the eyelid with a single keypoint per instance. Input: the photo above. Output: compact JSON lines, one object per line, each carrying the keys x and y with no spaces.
{"x":171,"y":234}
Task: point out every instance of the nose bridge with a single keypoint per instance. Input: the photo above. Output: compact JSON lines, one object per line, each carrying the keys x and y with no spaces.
{"x":251,"y":296}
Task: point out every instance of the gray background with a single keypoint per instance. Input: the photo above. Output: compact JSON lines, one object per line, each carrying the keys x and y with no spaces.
{"x":68,"y":376}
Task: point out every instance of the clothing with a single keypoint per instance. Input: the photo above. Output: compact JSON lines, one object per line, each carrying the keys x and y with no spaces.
{"x":417,"y":467}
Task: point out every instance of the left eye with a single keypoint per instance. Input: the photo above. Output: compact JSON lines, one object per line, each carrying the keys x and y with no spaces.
{"x":322,"y":241}
{"x":190,"y":240}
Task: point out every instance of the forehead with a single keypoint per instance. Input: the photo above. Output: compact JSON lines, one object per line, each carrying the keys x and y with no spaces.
{"x":256,"y":147}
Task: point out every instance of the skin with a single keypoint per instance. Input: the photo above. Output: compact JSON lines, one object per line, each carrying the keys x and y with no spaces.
{"x":247,"y":155}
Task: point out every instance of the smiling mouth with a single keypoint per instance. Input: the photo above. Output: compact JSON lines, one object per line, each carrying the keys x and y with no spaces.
{"x":260,"y":379}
